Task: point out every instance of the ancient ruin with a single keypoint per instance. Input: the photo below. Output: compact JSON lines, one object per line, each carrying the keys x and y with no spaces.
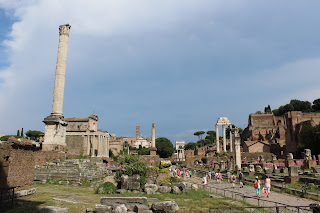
{"x":179,"y":155}
{"x":222,"y":121}
{"x":55,"y":129}
{"x":275,"y":134}
{"x":153,"y":149}
{"x":84,"y":138}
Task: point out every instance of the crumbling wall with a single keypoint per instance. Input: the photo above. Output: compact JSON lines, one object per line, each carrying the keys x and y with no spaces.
{"x":41,"y":157}
{"x":18,"y":159}
{"x":151,"y":160}
{"x":72,"y":170}
{"x":16,"y":167}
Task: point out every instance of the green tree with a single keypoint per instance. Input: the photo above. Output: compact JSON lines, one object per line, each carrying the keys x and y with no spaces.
{"x":295,"y":105}
{"x":144,"y":151}
{"x":212,"y":135}
{"x":199,"y":134}
{"x":267,"y":109}
{"x":34,"y":134}
{"x":18,"y":133}
{"x":22,"y":135}
{"x":288,"y":108}
{"x":164,"y":147}
{"x":228,"y":131}
{"x":316,"y":105}
{"x":304,"y":106}
{"x":207,"y":142}
{"x":190,"y":146}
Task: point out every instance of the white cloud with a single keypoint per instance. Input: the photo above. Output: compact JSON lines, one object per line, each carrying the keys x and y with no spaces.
{"x":193,"y":56}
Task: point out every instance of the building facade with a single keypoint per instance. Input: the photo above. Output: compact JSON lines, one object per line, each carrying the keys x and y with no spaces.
{"x":84,"y":138}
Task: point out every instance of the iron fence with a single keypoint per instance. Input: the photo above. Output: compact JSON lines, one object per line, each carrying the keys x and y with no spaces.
{"x":269,"y":209}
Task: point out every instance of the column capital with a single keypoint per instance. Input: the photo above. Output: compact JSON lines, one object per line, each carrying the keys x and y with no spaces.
{"x":64,"y":29}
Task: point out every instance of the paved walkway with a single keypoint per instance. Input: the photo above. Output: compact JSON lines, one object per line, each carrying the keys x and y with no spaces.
{"x":249,"y":192}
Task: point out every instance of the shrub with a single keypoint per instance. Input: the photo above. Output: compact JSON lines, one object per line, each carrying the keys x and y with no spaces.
{"x":164,"y":170}
{"x":171,"y":180}
{"x":176,"y":162}
{"x":6,"y":137}
{"x":165,"y":164}
{"x":134,"y":166}
{"x":106,"y":188}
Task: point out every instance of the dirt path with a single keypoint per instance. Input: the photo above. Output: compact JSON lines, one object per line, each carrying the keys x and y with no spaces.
{"x":249,"y":193}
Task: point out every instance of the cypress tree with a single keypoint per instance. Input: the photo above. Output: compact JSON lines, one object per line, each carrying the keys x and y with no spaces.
{"x":18,"y":133}
{"x":22,"y":132}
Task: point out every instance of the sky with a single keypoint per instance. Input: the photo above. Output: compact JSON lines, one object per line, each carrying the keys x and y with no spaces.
{"x":178,"y":64}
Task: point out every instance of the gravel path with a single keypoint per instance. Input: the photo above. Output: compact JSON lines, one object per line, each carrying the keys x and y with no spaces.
{"x":249,"y":192}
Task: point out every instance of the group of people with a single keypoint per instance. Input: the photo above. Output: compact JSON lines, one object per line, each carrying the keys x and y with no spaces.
{"x":211,"y":176}
{"x":267,"y":186}
{"x":182,"y":173}
{"x":232,"y":178}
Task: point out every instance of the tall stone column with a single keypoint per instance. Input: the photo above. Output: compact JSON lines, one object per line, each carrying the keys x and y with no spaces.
{"x":217,"y":139}
{"x":153,"y":149}
{"x":58,"y":92}
{"x":237,"y":150}
{"x":137,"y":131}
{"x":231,"y":146}
{"x":153,"y":143}
{"x":55,"y":130}
{"x":224,"y":138}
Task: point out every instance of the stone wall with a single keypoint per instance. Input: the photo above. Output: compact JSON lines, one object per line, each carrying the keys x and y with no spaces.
{"x":189,"y":153}
{"x":17,"y":162}
{"x":282,"y":130}
{"x":41,"y":157}
{"x":151,"y":160}
{"x":16,"y":167}
{"x":72,"y":170}
{"x":75,"y":144}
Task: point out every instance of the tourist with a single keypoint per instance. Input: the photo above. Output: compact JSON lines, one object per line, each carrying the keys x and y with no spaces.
{"x":267,"y":185}
{"x":233,"y":180}
{"x":190,"y":173}
{"x":257,"y":186}
{"x":209,"y":173}
{"x":213,"y":175}
{"x":240,"y":176}
{"x":219,"y":177}
{"x":204,"y":181}
{"x":228,"y":176}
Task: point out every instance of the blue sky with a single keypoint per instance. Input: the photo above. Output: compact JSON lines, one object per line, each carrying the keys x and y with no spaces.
{"x":180,"y":65}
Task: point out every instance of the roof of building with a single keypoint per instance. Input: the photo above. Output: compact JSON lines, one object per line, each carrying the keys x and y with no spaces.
{"x":77,"y":119}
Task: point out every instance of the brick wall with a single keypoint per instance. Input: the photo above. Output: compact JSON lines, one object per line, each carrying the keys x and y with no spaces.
{"x":16,"y":167}
{"x":17,"y":164}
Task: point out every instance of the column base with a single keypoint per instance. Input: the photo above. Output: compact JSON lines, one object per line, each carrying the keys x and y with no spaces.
{"x":55,"y":133}
{"x":153,"y":151}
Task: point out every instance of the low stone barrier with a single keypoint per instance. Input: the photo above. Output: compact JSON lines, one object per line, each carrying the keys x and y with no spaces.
{"x":129,"y":202}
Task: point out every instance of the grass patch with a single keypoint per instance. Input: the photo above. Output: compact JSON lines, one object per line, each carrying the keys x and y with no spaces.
{"x":193,"y":201}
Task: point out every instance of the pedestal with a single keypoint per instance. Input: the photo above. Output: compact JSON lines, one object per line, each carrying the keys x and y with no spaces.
{"x":308,"y":164}
{"x":153,"y":151}
{"x":290,"y":162}
{"x":55,"y":133}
